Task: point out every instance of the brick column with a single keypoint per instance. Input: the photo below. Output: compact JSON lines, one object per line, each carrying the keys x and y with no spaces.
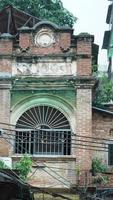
{"x":4,"y":115}
{"x":84,"y":99}
{"x":6,"y":48}
{"x":84,"y":54}
{"x":83,"y":126}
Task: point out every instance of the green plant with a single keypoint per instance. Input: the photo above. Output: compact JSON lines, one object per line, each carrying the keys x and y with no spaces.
{"x":98,"y":166}
{"x":24,"y":166}
{"x":101,"y":179}
{"x":3,"y":165}
{"x":94,"y":68}
{"x":104,"y":91}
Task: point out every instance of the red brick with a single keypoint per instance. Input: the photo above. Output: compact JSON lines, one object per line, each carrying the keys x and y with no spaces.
{"x":5,"y":47}
{"x":24,"y":40}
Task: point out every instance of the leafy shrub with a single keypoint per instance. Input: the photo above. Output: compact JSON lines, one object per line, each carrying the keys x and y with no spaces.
{"x":3,"y":165}
{"x":104,"y":91}
{"x":24,"y":166}
{"x":98,"y":166}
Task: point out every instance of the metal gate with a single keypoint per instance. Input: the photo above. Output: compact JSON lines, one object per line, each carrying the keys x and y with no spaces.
{"x":43,"y":130}
{"x":43,"y":142}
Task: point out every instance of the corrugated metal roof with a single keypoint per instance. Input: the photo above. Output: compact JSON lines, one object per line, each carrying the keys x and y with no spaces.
{"x":12,"y":18}
{"x":102,"y":110}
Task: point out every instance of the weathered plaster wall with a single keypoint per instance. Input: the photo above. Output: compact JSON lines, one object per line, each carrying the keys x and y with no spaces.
{"x":67,"y":95}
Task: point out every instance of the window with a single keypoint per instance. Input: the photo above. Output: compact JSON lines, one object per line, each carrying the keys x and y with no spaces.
{"x":110,"y":154}
{"x":43,"y":130}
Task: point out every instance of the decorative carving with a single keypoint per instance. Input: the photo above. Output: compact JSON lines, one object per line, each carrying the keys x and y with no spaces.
{"x":64,"y":50}
{"x":44,"y":38}
{"x":43,"y":68}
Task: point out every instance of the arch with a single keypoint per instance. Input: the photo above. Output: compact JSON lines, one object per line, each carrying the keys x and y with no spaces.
{"x":33,"y":135}
{"x":43,"y":116}
{"x":47,"y":23}
{"x":43,"y":130}
{"x":51,"y":25}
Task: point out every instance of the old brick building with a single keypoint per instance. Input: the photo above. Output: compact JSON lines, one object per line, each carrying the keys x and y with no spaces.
{"x":46,"y":87}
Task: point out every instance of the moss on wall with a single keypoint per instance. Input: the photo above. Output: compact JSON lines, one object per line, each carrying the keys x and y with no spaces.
{"x":19,"y":95}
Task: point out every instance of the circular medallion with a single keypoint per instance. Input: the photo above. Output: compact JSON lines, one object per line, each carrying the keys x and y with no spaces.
{"x":44,"y":39}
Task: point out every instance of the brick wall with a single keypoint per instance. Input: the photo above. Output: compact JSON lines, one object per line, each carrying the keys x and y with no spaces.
{"x":52,"y":172}
{"x":5,"y":47}
{"x":24,"y":40}
{"x":84,"y":45}
{"x":84,"y":67}
{"x":5,"y":66}
{"x":62,"y":42}
{"x":6,"y":44}
{"x":102,"y":123}
{"x":65,"y":40}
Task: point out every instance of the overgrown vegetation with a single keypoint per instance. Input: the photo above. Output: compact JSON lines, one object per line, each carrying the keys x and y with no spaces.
{"x":104,"y":91}
{"x":2,"y":165}
{"x":51,"y":10}
{"x":101,"y":180}
{"x":23,"y":166}
{"x":98,"y":168}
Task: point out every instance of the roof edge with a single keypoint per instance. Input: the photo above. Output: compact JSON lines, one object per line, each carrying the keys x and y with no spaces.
{"x":102,"y":110}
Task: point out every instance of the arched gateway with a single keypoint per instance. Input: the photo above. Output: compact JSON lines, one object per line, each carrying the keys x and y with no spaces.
{"x":43,"y":130}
